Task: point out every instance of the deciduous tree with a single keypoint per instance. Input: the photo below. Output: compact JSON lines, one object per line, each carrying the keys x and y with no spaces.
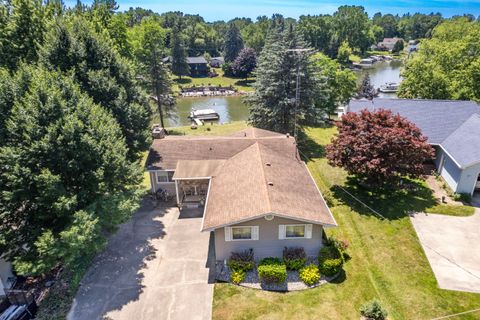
{"x":379,"y":146}
{"x":245,"y":63}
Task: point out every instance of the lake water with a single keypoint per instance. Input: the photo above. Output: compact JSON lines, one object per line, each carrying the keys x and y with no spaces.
{"x":233,"y":109}
{"x":381,"y":73}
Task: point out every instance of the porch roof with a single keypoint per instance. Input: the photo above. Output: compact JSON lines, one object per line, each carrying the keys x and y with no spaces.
{"x":196,"y":169}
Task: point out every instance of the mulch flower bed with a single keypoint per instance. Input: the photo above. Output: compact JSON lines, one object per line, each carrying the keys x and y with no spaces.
{"x":293,"y":282}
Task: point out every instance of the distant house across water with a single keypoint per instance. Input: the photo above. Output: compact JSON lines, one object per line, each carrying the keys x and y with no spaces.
{"x":388,"y":43}
{"x":216,"y":62}
{"x":198,"y":65}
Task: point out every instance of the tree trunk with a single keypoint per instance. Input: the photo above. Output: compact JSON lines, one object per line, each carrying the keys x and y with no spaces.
{"x":159,"y":105}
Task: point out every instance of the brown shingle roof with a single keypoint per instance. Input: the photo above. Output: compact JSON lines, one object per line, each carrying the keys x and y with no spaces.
{"x":239,"y":189}
{"x":190,"y":169}
{"x":260,"y":181}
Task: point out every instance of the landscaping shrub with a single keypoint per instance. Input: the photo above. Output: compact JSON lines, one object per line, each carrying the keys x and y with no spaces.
{"x":295,"y":258}
{"x":272,"y":270}
{"x":373,"y":310}
{"x":464,"y":197}
{"x":237,"y":276}
{"x":329,"y":252}
{"x":310,"y":274}
{"x":241,"y":261}
{"x":330,"y":267}
{"x":330,"y":260}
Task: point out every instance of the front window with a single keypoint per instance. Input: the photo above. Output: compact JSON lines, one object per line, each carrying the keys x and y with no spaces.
{"x":295,"y":231}
{"x":241,"y":233}
{"x":165,"y":176}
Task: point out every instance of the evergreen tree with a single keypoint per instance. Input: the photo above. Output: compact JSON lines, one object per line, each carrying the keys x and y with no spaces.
{"x":24,"y":33}
{"x":233,"y":43}
{"x":103,"y":75}
{"x":149,"y":51}
{"x":398,"y":46}
{"x":272,"y":106}
{"x":366,"y":90}
{"x":179,"y":54}
{"x":65,"y":178}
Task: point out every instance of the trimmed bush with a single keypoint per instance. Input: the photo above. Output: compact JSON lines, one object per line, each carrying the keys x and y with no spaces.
{"x":237,"y":276}
{"x":329,"y":252}
{"x":294,"y":258}
{"x":330,"y":267}
{"x":373,"y":310}
{"x":241,"y":261}
{"x":310,"y":274}
{"x":272,"y":270}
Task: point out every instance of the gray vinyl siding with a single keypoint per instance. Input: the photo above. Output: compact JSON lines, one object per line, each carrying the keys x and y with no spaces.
{"x":169,"y":186}
{"x":468,"y":179}
{"x":459,"y":180}
{"x":268,"y":244}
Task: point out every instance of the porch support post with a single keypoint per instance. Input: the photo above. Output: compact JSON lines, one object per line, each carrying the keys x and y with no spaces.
{"x":176,"y":191}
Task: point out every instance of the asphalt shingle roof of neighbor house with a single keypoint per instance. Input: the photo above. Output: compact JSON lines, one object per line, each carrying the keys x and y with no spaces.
{"x":452,"y":124}
{"x":197,"y":60}
{"x":253,"y":173}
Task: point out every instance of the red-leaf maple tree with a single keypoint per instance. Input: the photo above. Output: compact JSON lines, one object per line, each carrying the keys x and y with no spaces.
{"x":379,"y":146}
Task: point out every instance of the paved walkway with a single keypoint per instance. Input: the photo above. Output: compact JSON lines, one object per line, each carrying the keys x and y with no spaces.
{"x":451,"y":245}
{"x":154,"y":267}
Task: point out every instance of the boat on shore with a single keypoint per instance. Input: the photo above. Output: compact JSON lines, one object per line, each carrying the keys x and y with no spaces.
{"x":204,"y":114}
{"x":389,"y":87}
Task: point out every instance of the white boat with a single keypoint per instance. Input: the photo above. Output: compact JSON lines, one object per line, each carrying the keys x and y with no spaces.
{"x":389,"y":87}
{"x":204,"y":114}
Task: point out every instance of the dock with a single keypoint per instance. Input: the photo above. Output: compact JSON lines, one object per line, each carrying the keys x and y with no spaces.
{"x":197,"y":121}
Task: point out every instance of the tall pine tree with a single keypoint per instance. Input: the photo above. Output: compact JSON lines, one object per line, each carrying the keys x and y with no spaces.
{"x":103,"y":75}
{"x":273,"y":106}
{"x":179,"y":54}
{"x":233,"y":43}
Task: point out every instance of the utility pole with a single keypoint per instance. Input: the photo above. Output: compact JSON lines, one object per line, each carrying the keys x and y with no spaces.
{"x":297,"y":51}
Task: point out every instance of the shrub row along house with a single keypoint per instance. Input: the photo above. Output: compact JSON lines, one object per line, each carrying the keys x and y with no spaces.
{"x":254,"y":189}
{"x":452,"y":128}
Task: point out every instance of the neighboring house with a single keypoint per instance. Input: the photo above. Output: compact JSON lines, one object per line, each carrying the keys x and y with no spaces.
{"x":388,"y":43}
{"x":216,"y":62}
{"x":6,"y":276}
{"x":452,"y":128}
{"x":254,"y":189}
{"x":198,"y":65}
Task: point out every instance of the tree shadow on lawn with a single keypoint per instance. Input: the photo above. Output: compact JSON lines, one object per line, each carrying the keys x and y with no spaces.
{"x":309,"y":148}
{"x":245,"y":83}
{"x":390,"y":202}
{"x":183,"y":81}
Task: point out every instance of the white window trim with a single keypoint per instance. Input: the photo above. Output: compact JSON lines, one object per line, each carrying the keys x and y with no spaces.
{"x":254,"y":231}
{"x":163,"y":182}
{"x":282,"y":231}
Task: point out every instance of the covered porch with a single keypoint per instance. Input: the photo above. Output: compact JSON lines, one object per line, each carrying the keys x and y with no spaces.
{"x":192,"y":181}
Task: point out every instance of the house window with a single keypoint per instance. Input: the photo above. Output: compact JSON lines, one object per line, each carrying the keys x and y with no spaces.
{"x":241,"y":233}
{"x":295,"y":231}
{"x":164,"y":176}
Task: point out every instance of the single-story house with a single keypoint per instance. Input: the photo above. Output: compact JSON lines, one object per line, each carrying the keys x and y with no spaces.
{"x":452,"y":128}
{"x":216,"y":62}
{"x":388,"y":43}
{"x":254,"y":189}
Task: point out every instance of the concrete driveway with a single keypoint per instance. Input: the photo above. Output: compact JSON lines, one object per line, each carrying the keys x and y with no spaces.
{"x":452,"y":246}
{"x":154,"y":267}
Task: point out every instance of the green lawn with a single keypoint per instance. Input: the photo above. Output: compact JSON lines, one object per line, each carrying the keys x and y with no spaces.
{"x":452,"y":210}
{"x":387,"y":261}
{"x":221,"y":80}
{"x":210,"y":128}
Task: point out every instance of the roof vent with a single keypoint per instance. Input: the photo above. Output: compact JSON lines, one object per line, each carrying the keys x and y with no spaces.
{"x":270,"y":183}
{"x":268,"y":164}
{"x":210,"y":148}
{"x":244,"y":134}
{"x":288,"y":135}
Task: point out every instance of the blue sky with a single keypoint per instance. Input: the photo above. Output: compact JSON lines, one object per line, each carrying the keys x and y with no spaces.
{"x":224,"y":10}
